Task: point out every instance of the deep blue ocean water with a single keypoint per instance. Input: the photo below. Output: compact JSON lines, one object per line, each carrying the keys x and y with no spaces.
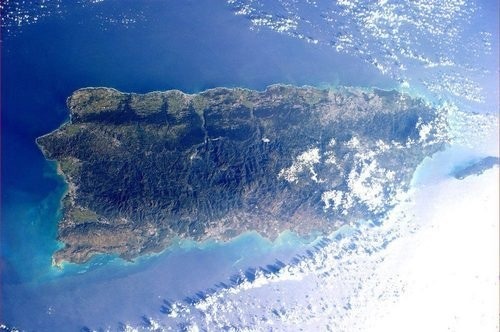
{"x":178,"y":46}
{"x":186,"y":45}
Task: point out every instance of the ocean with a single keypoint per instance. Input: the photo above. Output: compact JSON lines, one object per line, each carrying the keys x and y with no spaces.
{"x":42,"y":65}
{"x":157,"y":45}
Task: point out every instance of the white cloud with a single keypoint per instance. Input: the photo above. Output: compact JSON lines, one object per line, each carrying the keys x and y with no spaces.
{"x":304,"y":162}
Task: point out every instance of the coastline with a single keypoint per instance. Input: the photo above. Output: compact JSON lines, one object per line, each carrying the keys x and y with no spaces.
{"x":286,"y":240}
{"x":70,"y":190}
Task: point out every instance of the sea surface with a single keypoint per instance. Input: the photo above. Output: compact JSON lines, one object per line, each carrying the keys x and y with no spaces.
{"x":132,"y":46}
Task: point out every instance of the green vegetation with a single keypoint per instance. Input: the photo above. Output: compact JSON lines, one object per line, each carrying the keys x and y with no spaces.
{"x":79,"y":215}
{"x":70,"y":166}
{"x":145,"y":169}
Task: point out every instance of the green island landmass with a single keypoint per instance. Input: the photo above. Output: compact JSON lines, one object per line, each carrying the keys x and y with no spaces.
{"x":145,"y":169}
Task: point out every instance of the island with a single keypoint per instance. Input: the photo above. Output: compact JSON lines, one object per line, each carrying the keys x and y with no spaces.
{"x":144,"y":170}
{"x":477,"y":167}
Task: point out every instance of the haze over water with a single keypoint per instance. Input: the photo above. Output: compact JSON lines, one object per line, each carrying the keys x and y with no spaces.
{"x":172,"y":45}
{"x":44,"y":63}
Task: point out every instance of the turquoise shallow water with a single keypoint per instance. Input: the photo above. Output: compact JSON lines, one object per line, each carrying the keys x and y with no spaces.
{"x":177,"y":46}
{"x":42,"y":64}
{"x":30,"y":224}
{"x":108,"y":291}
